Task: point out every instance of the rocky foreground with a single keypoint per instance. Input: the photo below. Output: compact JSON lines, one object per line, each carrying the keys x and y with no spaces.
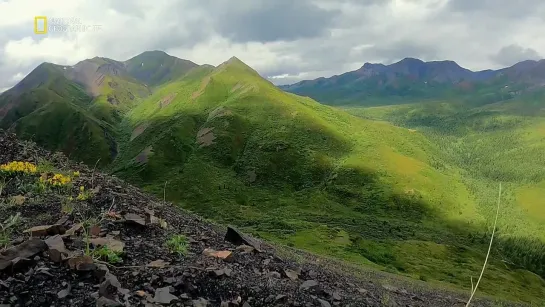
{"x":75,"y":237}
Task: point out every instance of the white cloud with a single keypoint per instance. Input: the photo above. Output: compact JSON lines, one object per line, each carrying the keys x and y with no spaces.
{"x":339,"y":35}
{"x":57,"y":50}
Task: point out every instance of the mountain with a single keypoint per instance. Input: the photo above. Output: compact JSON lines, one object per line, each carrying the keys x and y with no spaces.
{"x":51,"y":109}
{"x":229,"y":145}
{"x":156,"y":67}
{"x":87,"y":100}
{"x":411,"y":79}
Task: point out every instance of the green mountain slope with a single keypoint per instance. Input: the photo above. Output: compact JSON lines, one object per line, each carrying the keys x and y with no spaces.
{"x":50,"y":109}
{"x":228,"y":144}
{"x":115,"y":90}
{"x":77,"y":109}
{"x":501,"y":142}
{"x":156,"y":67}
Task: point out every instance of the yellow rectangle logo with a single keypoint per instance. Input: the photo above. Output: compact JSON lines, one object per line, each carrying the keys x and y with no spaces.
{"x":38,"y":28}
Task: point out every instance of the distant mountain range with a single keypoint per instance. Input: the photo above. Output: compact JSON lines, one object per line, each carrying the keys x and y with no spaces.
{"x":412,"y":79}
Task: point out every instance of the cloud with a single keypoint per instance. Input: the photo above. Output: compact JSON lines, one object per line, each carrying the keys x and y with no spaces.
{"x":513,"y":54}
{"x":498,"y":8}
{"x":283,"y":40}
{"x":267,"y":21}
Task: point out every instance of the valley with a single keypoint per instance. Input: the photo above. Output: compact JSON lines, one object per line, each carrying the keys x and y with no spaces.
{"x":407,"y":186}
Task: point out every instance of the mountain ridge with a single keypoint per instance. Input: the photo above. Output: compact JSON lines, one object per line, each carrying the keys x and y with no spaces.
{"x":412,"y":79}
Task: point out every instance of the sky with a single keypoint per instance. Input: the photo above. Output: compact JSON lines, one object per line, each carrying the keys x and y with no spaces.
{"x":284,"y":40}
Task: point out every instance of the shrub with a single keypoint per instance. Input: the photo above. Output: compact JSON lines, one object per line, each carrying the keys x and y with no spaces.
{"x":106,"y":254}
{"x":178,"y":244}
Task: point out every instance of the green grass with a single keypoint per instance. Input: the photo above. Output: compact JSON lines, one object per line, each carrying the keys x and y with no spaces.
{"x":108,"y":255}
{"x":54,"y":115}
{"x":502,"y":142}
{"x":307,"y":175}
{"x":178,"y":244}
{"x":406,"y":189}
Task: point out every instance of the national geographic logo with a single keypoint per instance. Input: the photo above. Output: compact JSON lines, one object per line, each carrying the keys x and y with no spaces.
{"x":44,"y":25}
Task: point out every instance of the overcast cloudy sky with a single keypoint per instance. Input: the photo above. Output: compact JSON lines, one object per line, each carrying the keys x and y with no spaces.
{"x":285,"y":40}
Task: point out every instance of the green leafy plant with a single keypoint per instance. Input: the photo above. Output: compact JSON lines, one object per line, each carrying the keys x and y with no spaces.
{"x":67,"y":205}
{"x":178,"y":244}
{"x":45,"y":166}
{"x":108,"y":255}
{"x":3,"y":184}
{"x":6,"y":229}
{"x":83,"y":194}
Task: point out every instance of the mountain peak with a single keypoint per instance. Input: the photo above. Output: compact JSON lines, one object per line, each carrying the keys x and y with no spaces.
{"x":411,"y":60}
{"x":233,"y":58}
{"x":235,"y":62}
{"x":156,"y":67}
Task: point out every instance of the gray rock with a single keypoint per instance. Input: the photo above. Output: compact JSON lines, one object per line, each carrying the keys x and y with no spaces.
{"x":201,"y":302}
{"x":291,"y":274}
{"x":106,"y":302}
{"x":163,"y":296}
{"x":27,"y":249}
{"x":307,"y":284}
{"x":280,"y":297}
{"x":238,"y":238}
{"x":275,"y":274}
{"x":64,"y":293}
{"x":324,"y":303}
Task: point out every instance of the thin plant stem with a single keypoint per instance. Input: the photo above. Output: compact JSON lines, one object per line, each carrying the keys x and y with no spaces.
{"x":488,"y":253}
{"x":93,"y":175}
{"x":165,"y":192}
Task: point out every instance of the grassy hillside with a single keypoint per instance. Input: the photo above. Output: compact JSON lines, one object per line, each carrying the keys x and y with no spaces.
{"x":501,"y":142}
{"x":231,"y":146}
{"x":113,"y":88}
{"x":52,"y":110}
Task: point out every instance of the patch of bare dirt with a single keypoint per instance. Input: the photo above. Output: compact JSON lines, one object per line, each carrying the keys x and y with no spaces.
{"x":200,"y":91}
{"x":236,"y":87}
{"x":205,"y":137}
{"x":143,"y":156}
{"x":112,"y":100}
{"x":5,"y":109}
{"x":165,"y":101}
{"x":220,"y":111}
{"x":139,"y":130}
{"x":249,"y":88}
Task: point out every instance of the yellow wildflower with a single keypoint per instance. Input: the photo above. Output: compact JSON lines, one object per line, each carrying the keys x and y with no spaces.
{"x":19,"y":167}
{"x":76,"y":174}
{"x":59,"y":180}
